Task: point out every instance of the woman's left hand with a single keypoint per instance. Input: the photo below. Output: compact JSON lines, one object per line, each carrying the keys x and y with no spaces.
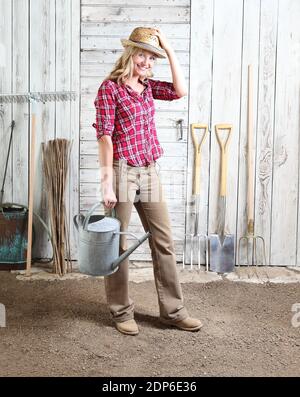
{"x":163,"y":40}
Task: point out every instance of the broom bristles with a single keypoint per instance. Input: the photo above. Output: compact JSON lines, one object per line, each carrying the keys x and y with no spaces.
{"x":56,"y":154}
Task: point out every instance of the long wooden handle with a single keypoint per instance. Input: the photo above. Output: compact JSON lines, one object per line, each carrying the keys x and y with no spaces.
{"x":224,"y":156}
{"x":250,"y":192}
{"x":197,"y":161}
{"x":31,"y":193}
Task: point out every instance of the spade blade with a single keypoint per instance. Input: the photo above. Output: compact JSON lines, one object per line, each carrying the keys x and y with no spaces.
{"x":221,"y":253}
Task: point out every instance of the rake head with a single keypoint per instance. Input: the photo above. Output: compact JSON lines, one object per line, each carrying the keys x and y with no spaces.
{"x":38,"y":97}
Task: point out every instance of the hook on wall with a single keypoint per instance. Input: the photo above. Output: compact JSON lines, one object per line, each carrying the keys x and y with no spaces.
{"x":179,"y":125}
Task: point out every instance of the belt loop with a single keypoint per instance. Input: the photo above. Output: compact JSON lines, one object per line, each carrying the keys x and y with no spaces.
{"x":123,"y":166}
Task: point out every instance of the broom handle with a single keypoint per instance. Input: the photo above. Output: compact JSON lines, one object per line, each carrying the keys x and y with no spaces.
{"x":250,"y":198}
{"x":31,"y":192}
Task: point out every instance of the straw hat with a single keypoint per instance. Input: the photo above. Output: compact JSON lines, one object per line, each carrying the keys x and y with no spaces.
{"x":144,"y":38}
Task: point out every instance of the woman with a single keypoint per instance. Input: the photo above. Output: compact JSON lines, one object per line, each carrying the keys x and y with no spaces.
{"x":128,"y":149}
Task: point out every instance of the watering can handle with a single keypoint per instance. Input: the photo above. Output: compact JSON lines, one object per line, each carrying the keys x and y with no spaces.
{"x":90,"y":212}
{"x":77,"y":218}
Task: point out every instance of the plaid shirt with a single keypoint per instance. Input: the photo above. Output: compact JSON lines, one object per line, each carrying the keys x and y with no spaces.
{"x":128,"y":117}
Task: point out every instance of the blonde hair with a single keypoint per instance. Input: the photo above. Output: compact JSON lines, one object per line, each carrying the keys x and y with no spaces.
{"x":123,"y":68}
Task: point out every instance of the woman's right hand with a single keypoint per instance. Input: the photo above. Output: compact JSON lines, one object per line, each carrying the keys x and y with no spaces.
{"x":109,"y":197}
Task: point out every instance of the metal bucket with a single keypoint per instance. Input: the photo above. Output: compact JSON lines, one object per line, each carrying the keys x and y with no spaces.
{"x":13,"y":237}
{"x":99,"y":243}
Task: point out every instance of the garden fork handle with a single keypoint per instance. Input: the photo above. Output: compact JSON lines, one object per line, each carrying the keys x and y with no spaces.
{"x":250,"y":190}
{"x":223,"y":146}
{"x":197,"y":162}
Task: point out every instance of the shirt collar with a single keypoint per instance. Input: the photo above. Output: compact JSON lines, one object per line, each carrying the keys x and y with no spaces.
{"x":145,"y":82}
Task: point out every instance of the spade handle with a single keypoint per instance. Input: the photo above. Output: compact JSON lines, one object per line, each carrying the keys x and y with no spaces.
{"x":197,"y":162}
{"x":223,"y":147}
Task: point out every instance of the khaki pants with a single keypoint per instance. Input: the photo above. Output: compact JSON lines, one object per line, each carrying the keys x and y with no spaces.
{"x":141,"y":187}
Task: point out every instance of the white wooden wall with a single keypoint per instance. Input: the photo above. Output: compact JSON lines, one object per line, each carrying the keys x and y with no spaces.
{"x":215,"y":41}
{"x":226,"y":36}
{"x":40,"y":48}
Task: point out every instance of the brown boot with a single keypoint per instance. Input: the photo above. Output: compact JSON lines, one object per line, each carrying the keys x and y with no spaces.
{"x":128,"y":327}
{"x":188,"y":324}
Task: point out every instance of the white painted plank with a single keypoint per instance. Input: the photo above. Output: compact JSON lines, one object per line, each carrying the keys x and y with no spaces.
{"x":103,"y":69}
{"x":286,"y":137}
{"x":250,"y":56}
{"x":20,"y":111}
{"x":42,"y":78}
{"x":63,"y":70}
{"x":199,"y":109}
{"x":226,"y":106}
{"x":75,"y":123}
{"x":175,"y":219}
{"x":168,"y":163}
{"x":63,"y":83}
{"x":5,"y":87}
{"x":93,"y":175}
{"x":164,"y":134}
{"x":143,"y":252}
{"x":153,"y":14}
{"x":175,"y":30}
{"x":176,"y":231}
{"x":87,"y":103}
{"x":171,"y":191}
{"x":111,"y":56}
{"x":265,"y":122}
{"x":67,"y":79}
{"x":174,"y":206}
{"x":144,"y":249}
{"x":90,"y":85}
{"x":170,"y":149}
{"x":112,"y":43}
{"x":162,"y":119}
{"x":137,"y":3}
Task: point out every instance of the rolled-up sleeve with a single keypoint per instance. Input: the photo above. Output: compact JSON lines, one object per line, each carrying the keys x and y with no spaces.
{"x":163,"y":90}
{"x":105,"y":109}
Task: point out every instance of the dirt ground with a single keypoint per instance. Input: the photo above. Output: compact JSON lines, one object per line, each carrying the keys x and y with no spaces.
{"x":63,"y":328}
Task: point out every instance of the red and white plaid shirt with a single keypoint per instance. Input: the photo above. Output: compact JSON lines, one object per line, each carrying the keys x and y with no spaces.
{"x":128,"y":117}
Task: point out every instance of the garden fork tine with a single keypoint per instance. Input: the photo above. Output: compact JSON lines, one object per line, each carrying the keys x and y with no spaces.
{"x":250,"y":238}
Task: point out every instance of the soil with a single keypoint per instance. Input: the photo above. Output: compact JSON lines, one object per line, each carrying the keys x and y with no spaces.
{"x":63,"y":328}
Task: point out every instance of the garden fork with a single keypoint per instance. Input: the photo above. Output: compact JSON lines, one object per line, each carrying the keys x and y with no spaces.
{"x":196,"y":236}
{"x":250,"y":238}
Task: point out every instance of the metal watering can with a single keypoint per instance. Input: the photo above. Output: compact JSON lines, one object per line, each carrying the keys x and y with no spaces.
{"x":99,"y":242}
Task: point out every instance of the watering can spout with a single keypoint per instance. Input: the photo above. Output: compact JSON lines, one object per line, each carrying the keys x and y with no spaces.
{"x":129,"y":251}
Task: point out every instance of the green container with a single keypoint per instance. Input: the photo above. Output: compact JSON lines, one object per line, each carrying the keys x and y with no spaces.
{"x":13,"y":237}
